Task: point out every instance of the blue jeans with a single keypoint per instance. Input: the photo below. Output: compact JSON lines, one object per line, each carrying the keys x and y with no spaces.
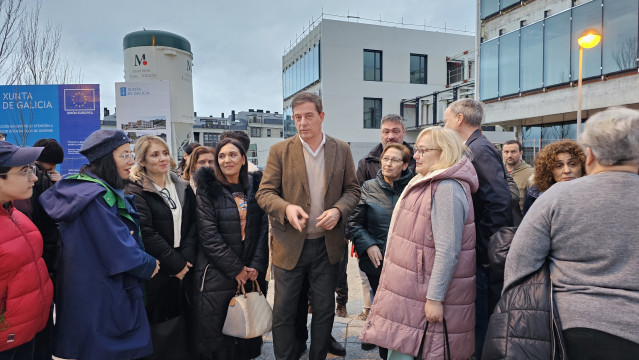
{"x":22,"y":352}
{"x":482,"y":309}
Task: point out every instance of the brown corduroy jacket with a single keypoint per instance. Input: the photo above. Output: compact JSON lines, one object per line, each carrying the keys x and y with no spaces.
{"x":285,"y":182}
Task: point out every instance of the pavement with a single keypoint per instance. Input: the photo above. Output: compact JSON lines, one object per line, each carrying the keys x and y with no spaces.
{"x":345,"y":330}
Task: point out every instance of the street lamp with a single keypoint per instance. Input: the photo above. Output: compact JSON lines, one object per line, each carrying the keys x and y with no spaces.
{"x":588,"y":39}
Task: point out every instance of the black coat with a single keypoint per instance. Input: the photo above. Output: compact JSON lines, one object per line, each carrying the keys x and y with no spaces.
{"x":371,"y":218}
{"x":156,"y":224}
{"x":492,"y":201}
{"x":222,"y":255}
{"x":525,"y":324}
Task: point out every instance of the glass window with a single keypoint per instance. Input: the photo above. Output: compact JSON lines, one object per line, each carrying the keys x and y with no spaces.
{"x":210,"y":139}
{"x":372,"y":65}
{"x":317,"y":62}
{"x":418,"y":65}
{"x":557,"y":49}
{"x":489,"y":7}
{"x":488,"y":85}
{"x":586,"y":16}
{"x":532,"y":56}
{"x":509,"y":64}
{"x":372,"y":113}
{"x":455,"y":71}
{"x":620,"y":19}
{"x":506,"y":3}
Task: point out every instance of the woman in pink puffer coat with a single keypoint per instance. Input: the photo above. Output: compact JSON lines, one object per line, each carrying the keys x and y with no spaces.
{"x":429,"y":265}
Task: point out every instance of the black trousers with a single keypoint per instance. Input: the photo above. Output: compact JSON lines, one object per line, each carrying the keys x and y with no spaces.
{"x":587,"y":344}
{"x":342,"y":281}
{"x":314,"y":264}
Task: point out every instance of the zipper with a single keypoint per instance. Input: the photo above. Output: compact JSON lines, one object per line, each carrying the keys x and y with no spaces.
{"x":204,"y":277}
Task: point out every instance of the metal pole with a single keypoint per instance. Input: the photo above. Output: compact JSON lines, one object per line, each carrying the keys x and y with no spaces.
{"x":581,"y":55}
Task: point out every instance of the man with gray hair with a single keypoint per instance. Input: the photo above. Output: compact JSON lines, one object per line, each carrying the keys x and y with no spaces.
{"x":492,"y":203}
{"x":392,"y":132}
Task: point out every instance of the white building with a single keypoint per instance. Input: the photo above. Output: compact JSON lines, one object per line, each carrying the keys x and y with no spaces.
{"x":363,"y":71}
{"x":529,"y":63}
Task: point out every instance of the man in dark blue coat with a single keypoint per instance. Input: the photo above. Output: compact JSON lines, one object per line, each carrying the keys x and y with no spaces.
{"x":492,"y":203}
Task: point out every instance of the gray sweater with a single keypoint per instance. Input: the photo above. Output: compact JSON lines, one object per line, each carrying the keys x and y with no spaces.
{"x":589,"y":230}
{"x":448,"y":208}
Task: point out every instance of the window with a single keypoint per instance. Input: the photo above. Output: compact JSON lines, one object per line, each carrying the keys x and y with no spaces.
{"x":372,"y":65}
{"x":372,"y":113}
{"x":268,"y":132}
{"x":418,"y":68}
{"x":256,"y":132}
{"x":210,"y":139}
{"x":455,"y":71}
{"x":488,"y":85}
{"x":620,"y":24}
{"x":508,"y":63}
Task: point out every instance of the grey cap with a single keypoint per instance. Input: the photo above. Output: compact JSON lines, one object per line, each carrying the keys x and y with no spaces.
{"x":102,"y":142}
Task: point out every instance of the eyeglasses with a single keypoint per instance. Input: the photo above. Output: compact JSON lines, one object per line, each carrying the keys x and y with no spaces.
{"x":421,"y":151}
{"x":167,"y":196}
{"x":393,"y":161}
{"x":26,"y":171}
{"x":128,"y":155}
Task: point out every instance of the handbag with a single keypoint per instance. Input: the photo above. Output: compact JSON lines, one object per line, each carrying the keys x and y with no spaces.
{"x":446,"y":343}
{"x":249,"y":314}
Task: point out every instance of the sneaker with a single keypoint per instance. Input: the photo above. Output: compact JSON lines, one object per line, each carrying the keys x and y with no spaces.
{"x":364,"y":314}
{"x":340,"y":311}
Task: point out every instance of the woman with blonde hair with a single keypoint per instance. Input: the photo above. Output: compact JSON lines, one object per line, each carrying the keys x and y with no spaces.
{"x":428,"y":277}
{"x":167,"y":207}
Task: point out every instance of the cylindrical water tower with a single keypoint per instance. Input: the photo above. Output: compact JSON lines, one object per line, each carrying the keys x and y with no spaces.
{"x":152,"y":55}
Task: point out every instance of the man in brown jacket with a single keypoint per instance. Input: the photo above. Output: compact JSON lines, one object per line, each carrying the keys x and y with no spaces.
{"x":309,"y":189}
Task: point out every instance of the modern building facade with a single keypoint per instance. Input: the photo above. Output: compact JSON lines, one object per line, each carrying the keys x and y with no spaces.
{"x":363,"y":71}
{"x":529,"y":63}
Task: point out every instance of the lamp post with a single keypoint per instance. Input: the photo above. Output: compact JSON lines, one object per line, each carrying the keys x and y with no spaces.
{"x":588,"y":39}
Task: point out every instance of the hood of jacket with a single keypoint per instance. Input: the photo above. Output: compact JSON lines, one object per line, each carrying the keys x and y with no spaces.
{"x":206,"y":181}
{"x":462,"y":171}
{"x":69,"y":197}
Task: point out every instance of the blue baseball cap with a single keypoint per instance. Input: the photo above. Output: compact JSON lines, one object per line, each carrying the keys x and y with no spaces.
{"x":11,"y":155}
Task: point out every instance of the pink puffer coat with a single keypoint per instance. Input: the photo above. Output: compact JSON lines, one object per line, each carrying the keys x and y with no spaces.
{"x":397,"y":318}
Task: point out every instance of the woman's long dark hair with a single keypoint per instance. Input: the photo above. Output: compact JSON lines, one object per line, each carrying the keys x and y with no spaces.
{"x":244,"y":180}
{"x":106,"y":170}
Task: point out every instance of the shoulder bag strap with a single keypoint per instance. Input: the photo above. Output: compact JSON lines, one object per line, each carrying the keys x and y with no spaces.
{"x":421,"y":344}
{"x":446,"y":343}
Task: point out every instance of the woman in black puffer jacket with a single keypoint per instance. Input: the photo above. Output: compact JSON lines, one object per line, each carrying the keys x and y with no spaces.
{"x":371,"y":218}
{"x":232,"y":249}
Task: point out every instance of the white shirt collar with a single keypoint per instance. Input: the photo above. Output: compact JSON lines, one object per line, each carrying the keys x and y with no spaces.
{"x":314,"y":153}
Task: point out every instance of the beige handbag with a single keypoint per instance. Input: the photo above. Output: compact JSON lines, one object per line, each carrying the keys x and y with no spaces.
{"x":249,"y":314}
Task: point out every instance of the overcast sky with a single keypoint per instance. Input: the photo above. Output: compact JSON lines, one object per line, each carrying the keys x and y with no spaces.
{"x":237,"y":45}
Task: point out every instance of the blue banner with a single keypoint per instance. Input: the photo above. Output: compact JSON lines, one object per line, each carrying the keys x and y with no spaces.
{"x":67,"y":113}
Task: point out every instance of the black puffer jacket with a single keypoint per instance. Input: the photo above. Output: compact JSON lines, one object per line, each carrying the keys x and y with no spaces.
{"x":525,"y":324}
{"x":222,"y":254}
{"x":371,"y":218}
{"x":156,"y":224}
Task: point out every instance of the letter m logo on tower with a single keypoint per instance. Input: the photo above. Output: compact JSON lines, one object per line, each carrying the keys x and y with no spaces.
{"x":140,"y":60}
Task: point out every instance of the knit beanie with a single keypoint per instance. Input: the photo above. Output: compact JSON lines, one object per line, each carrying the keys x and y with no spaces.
{"x":102,"y":142}
{"x":52,"y":152}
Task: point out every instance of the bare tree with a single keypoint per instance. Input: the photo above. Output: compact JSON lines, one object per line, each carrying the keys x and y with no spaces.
{"x":626,"y":54}
{"x":11,"y":11}
{"x":37,"y":60}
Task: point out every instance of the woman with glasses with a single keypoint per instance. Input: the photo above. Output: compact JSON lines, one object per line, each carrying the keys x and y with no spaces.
{"x":102,"y":264}
{"x":370,"y":220}
{"x":201,"y":156}
{"x":232,"y":249}
{"x":428,"y":275}
{"x":166,"y":205}
{"x":26,"y":291}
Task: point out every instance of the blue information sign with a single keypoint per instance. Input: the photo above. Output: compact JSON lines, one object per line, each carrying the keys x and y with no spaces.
{"x":67,"y":113}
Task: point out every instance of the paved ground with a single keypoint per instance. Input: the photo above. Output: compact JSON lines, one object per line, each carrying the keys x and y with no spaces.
{"x":345,"y":330}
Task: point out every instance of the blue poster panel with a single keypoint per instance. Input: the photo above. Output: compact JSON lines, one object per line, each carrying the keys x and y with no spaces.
{"x":67,"y":113}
